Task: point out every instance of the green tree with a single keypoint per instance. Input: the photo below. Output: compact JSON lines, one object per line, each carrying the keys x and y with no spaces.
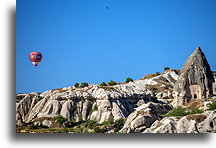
{"x":97,"y":130}
{"x":128,"y":80}
{"x":60,"y":119}
{"x":76,"y":85}
{"x":84,"y":84}
{"x":118,"y":124}
{"x":212,"y":106}
{"x":157,"y":73}
{"x":111,"y":83}
{"x":166,"y":68}
{"x":103,"y":84}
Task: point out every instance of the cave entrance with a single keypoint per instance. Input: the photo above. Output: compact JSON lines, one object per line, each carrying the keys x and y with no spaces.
{"x":195,"y":91}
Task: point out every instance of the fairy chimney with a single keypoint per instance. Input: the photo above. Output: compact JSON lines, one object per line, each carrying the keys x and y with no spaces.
{"x":195,"y":80}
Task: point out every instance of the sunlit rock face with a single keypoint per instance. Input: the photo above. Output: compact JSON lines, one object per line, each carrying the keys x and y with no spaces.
{"x":195,"y":80}
{"x":197,"y":123}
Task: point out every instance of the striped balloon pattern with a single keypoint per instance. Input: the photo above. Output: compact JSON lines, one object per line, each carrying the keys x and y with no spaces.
{"x":35,"y":57}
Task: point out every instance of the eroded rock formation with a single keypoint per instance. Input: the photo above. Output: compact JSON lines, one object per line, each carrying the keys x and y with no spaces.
{"x":195,"y":79}
{"x":197,"y":123}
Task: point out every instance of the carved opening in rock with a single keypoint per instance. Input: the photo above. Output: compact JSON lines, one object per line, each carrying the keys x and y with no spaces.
{"x":195,"y":91}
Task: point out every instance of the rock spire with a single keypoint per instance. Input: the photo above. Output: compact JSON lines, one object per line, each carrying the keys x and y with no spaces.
{"x":195,"y":79}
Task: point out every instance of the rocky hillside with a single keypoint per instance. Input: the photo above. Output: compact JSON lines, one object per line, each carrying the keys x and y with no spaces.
{"x":141,"y":104}
{"x":95,"y":102}
{"x":144,"y":106}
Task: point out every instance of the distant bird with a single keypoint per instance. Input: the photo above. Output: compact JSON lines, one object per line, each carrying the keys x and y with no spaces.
{"x":41,"y":19}
{"x":107,"y":7}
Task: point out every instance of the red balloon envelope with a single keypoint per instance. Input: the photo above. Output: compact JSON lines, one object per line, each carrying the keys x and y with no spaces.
{"x":35,"y":57}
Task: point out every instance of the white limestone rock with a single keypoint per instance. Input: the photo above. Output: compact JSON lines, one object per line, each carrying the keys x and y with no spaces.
{"x":47,"y":123}
{"x":197,"y":123}
{"x":143,"y":117}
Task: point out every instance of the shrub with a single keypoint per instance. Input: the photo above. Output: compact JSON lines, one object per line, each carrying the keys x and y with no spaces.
{"x":84,"y":84}
{"x":110,"y":120}
{"x":180,"y":111}
{"x":111,"y":83}
{"x":196,"y":111}
{"x":80,"y":118}
{"x":76,"y":85}
{"x":212,"y":106}
{"x":103,"y":84}
{"x":90,"y":124}
{"x":166,"y":68}
{"x":60,"y":119}
{"x":72,"y":121}
{"x":118,"y":124}
{"x":97,"y":130}
{"x":128,"y":80}
{"x":158,"y":73}
{"x":39,"y":98}
{"x":95,"y":107}
{"x":177,"y":111}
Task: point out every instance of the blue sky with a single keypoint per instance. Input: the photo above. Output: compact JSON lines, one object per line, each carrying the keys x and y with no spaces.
{"x":82,"y":41}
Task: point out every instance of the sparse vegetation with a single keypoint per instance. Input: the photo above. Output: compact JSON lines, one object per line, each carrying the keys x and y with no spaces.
{"x":128,"y":80}
{"x":195,"y":111}
{"x":111,"y":83}
{"x":157,"y":73}
{"x":76,"y":85}
{"x":84,"y":84}
{"x":166,"y":68}
{"x":95,"y":108}
{"x":60,"y":119}
{"x":177,"y":111}
{"x":39,"y":98}
{"x":109,"y":122}
{"x":118,"y":124}
{"x":90,"y":124}
{"x":72,"y":121}
{"x":181,"y":111}
{"x":212,"y":106}
{"x":103,"y":84}
{"x":156,"y":88}
{"x":149,"y":76}
{"x":97,"y":130}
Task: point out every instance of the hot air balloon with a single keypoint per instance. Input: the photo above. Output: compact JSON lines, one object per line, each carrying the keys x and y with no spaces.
{"x":35,"y":57}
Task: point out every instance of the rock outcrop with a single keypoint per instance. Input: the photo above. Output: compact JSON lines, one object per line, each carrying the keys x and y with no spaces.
{"x":195,"y":80}
{"x":144,"y":116}
{"x":137,"y":106}
{"x":197,"y":123}
{"x":111,"y":101}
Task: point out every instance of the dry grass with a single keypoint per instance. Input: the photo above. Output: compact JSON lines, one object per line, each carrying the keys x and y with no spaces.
{"x":193,"y":104}
{"x":148,"y":76}
{"x":156,"y":88}
{"x":176,"y":70}
{"x":197,"y":117}
{"x":110,"y":88}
